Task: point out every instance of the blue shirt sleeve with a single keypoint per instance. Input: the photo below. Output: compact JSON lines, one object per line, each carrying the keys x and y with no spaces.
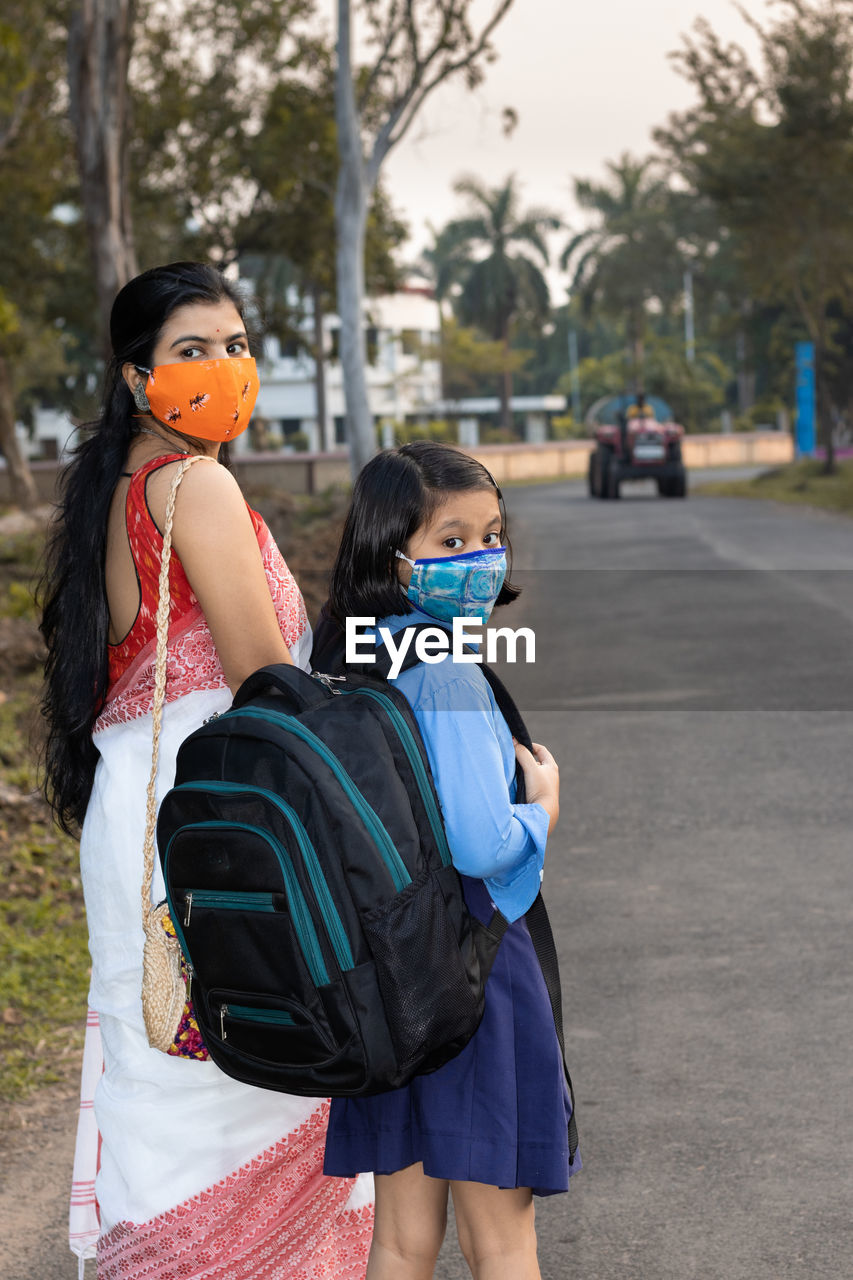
{"x":472,"y":758}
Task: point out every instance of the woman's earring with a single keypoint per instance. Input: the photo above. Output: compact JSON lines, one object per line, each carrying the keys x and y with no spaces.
{"x":140,"y":399}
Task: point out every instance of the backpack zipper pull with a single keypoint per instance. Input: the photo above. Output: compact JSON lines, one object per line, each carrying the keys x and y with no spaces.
{"x":328,"y":680}
{"x":223,"y":1034}
{"x":189,"y":908}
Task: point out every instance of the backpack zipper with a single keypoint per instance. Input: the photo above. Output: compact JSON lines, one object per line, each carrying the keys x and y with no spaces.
{"x":395,"y":864}
{"x":227,"y":899}
{"x":273,"y":1017}
{"x":328,"y":910}
{"x":299,"y":907}
{"x":410,"y":747}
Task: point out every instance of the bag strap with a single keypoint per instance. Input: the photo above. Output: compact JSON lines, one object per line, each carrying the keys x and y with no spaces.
{"x":542,"y":937}
{"x":163,"y":606}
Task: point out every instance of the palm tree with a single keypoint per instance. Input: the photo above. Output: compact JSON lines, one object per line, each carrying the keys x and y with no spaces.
{"x":629,"y":255}
{"x":498,"y":286}
{"x":445,"y":263}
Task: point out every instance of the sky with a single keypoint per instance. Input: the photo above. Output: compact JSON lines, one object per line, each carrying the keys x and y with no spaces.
{"x":589,"y":81}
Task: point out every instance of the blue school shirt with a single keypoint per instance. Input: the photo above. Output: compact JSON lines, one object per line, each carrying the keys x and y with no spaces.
{"x":472,"y":758}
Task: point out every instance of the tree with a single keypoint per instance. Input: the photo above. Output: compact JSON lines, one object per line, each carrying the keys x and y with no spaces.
{"x":628,"y":256}
{"x":773,"y":149}
{"x":32,"y":244}
{"x":501,"y":286}
{"x":470,"y":363}
{"x":444,"y":263}
{"x":203,"y":74}
{"x":416,"y":46}
{"x":99,"y":46}
{"x":293,"y":214}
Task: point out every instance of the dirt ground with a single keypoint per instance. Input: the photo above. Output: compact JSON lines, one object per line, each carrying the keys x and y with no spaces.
{"x":36,"y":1154}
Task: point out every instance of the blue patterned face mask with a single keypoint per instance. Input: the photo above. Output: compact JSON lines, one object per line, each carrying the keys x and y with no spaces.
{"x":463,"y":586}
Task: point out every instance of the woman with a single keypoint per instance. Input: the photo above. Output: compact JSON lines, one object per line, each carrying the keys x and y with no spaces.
{"x":198,"y":1174}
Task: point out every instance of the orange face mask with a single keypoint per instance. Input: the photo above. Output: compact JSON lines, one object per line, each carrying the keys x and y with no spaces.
{"x":210,"y":399}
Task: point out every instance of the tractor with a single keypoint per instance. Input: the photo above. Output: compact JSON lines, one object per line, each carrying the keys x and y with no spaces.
{"x":635,"y":439}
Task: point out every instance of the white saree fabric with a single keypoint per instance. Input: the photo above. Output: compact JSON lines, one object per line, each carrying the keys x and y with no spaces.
{"x":170,"y":1128}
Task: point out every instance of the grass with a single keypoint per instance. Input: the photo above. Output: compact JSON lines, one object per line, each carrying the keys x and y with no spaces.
{"x":805,"y":483}
{"x":43,"y":953}
{"x":44,"y":958}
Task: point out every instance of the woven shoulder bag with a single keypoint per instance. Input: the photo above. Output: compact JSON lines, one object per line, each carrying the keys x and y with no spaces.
{"x":164,"y":989}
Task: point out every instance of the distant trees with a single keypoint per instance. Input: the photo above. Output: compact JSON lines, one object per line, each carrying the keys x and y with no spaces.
{"x":772,"y":149}
{"x":33,"y":244}
{"x":501,"y":281}
{"x":627,"y":256}
{"x":746,"y":202}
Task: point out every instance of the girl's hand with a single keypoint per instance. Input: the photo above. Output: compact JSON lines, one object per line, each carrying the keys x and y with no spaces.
{"x":541,"y":779}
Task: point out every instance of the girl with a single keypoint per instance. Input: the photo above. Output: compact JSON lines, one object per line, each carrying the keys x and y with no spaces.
{"x":182,"y":1171}
{"x":424,"y":541}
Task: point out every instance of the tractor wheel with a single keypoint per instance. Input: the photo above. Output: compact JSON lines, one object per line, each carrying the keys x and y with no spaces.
{"x":611,"y":488}
{"x":598,"y":471}
{"x":679,"y":485}
{"x":664,"y":487}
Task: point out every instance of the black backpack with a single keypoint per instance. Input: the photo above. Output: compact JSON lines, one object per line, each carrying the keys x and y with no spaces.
{"x":310,"y":884}
{"x":311,"y":887}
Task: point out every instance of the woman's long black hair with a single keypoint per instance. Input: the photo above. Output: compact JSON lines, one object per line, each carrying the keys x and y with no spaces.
{"x":394,"y":495}
{"x":75,"y":617}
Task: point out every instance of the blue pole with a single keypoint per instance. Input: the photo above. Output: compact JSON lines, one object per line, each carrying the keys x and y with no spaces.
{"x":804,"y":438}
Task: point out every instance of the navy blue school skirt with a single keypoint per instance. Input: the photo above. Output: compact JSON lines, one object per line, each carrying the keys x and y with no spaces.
{"x":497,"y":1113}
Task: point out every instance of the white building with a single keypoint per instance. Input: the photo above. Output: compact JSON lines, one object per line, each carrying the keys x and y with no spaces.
{"x":403,"y":382}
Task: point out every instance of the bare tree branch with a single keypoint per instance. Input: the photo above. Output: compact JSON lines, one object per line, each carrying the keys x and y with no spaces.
{"x":381,"y":63}
{"x":403,"y":112}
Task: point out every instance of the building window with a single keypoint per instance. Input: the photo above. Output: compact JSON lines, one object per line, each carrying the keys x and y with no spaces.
{"x":372,"y":341}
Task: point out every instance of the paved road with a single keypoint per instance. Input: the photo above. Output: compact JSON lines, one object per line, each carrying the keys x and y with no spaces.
{"x":694,"y":677}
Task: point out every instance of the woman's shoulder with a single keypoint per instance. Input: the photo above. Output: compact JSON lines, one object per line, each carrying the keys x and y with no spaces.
{"x":208,"y":493}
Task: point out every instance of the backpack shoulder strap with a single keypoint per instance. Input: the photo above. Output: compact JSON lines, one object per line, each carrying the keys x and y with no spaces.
{"x":542,"y":937}
{"x":299,"y":689}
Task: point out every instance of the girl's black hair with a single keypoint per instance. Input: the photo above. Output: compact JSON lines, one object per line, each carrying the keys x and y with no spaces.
{"x":75,"y":617}
{"x":394,"y":495}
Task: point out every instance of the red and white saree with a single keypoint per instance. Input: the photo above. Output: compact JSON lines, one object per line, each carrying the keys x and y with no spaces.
{"x":182,"y":1173}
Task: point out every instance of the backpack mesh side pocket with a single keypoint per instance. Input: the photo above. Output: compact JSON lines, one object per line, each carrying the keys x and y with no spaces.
{"x":423,"y":981}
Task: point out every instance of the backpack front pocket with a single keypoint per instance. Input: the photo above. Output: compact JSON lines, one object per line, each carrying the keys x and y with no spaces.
{"x":269,"y":1031}
{"x":203,"y":916}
